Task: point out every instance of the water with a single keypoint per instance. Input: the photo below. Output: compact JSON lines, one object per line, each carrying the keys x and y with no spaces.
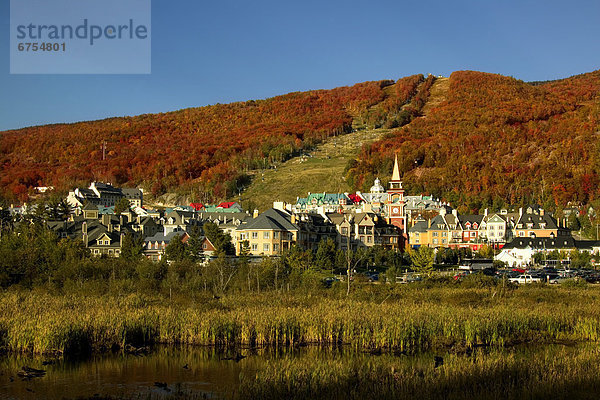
{"x":126,"y":375}
{"x":198,"y":372}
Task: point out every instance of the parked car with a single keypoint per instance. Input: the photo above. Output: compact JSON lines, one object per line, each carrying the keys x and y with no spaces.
{"x":526,"y":278}
{"x":408,"y":278}
{"x":555,"y":279}
{"x":593,"y":277}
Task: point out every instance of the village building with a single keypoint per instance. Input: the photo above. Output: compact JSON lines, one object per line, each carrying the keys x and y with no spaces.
{"x":270,"y":233}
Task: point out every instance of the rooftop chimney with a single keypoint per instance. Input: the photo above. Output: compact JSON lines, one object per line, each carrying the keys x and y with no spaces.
{"x":255,"y":213}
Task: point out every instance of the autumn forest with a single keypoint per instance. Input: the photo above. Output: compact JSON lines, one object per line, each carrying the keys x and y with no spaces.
{"x":488,"y":140}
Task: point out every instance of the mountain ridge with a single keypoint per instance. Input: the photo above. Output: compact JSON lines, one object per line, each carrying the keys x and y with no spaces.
{"x":213,"y":151}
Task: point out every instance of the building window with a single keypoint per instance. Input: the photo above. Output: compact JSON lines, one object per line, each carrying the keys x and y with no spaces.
{"x":435,"y":241}
{"x":254,"y":235}
{"x":434,"y":234}
{"x":96,"y":251}
{"x":344,"y":231}
{"x":266,"y":247}
{"x":275,"y":235}
{"x":369,"y":239}
{"x":444,"y":241}
{"x":275,"y":246}
{"x":473,"y":234}
{"x":266,"y":235}
{"x":254,"y":247}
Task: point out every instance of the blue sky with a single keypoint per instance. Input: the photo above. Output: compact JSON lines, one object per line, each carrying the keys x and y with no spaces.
{"x":223,"y":51}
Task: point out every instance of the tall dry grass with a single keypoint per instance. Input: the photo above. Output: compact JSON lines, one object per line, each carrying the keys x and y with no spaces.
{"x":406,"y":319}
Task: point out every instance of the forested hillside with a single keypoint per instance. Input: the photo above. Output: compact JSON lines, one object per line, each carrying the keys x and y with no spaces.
{"x":497,"y":140}
{"x":210,"y":151}
{"x":485,"y":140}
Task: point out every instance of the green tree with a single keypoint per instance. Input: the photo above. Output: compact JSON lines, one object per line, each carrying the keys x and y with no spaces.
{"x":176,"y":249}
{"x":121,"y":206}
{"x":194,"y":244}
{"x":298,"y":259}
{"x":580,"y":259}
{"x":63,"y":209}
{"x":485,"y":251}
{"x":422,"y":260}
{"x":132,"y":247}
{"x":219,"y":239}
{"x":446,"y":256}
{"x":325,"y":255}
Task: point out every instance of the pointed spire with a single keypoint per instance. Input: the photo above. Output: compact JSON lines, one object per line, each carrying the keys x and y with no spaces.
{"x":396,"y":173}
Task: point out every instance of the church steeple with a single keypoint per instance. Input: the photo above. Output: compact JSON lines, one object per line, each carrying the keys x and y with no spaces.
{"x":396,"y":173}
{"x":395,"y":182}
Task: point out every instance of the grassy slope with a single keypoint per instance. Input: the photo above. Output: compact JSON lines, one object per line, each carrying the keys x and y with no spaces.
{"x":322,"y":170}
{"x":438,"y":94}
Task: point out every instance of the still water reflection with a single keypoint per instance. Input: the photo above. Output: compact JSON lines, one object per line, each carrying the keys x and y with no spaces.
{"x":188,"y":372}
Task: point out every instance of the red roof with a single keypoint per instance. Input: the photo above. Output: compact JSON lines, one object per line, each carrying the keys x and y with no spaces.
{"x":197,"y":206}
{"x":355,"y":198}
{"x":226,"y":204}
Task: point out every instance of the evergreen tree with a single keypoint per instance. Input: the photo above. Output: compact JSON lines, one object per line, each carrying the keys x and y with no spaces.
{"x":219,"y":239}
{"x":121,"y":206}
{"x":194,"y":244}
{"x":132,"y":247}
{"x":325,"y":255}
{"x":422,"y":260}
{"x":176,"y":249}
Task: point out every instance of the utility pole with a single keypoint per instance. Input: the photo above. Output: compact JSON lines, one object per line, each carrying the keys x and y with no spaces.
{"x":348,"y":259}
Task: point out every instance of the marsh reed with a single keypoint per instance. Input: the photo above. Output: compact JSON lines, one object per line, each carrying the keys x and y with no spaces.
{"x":404,"y":319}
